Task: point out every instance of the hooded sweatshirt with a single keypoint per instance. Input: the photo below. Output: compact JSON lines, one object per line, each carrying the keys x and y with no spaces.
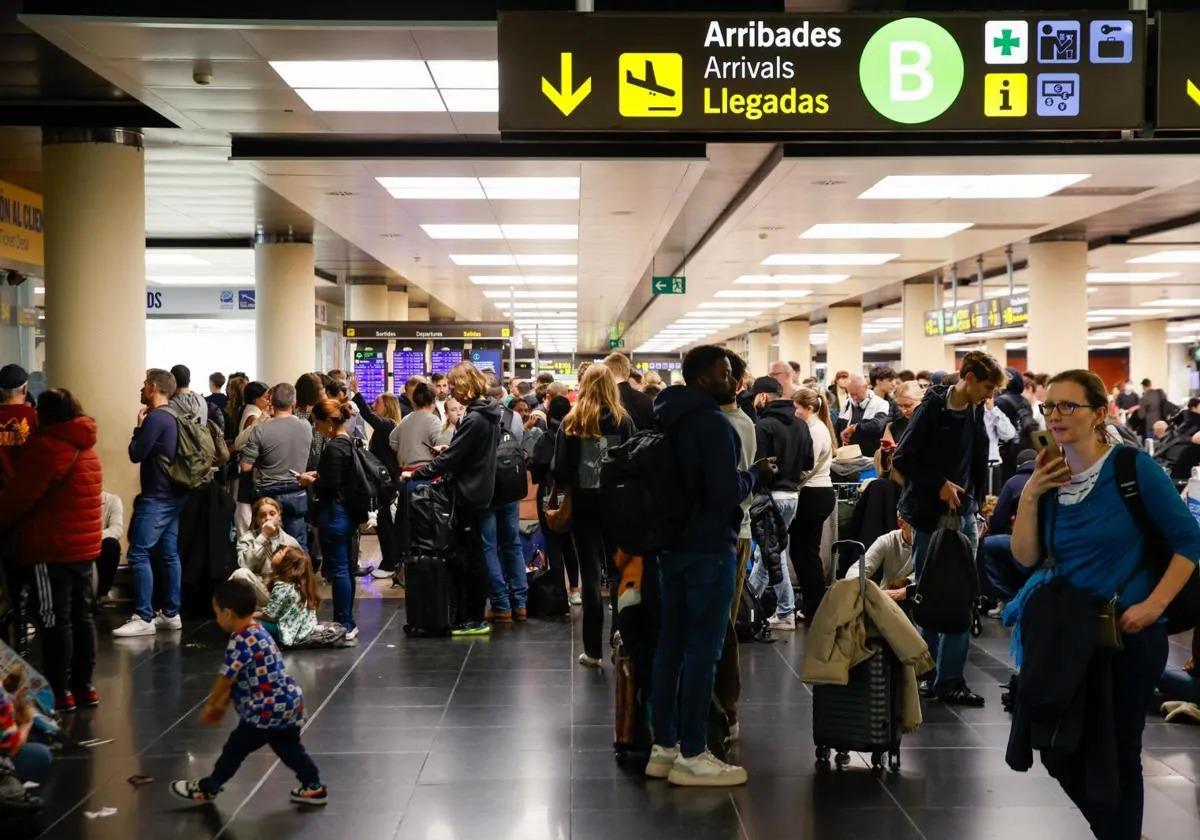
{"x":707,"y":447}
{"x":55,"y":495}
{"x":470,"y":460}
{"x":782,"y":436}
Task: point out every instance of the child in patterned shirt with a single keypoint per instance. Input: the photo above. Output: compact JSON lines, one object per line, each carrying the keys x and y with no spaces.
{"x":268,"y":702}
{"x":290,"y":615}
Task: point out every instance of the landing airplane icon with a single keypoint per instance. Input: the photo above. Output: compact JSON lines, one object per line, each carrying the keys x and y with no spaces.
{"x":650,"y":83}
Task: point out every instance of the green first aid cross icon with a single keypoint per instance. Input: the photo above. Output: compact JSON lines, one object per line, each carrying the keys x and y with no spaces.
{"x":1006,"y":42}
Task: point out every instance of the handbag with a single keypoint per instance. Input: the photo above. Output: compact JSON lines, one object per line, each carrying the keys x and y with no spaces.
{"x":1108,"y":632}
{"x":558,"y":508}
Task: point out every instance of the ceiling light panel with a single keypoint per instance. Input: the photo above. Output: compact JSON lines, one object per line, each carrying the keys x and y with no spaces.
{"x":465,"y":74}
{"x":1129,"y":276}
{"x":174,"y":258}
{"x":355,"y":74}
{"x":530,"y":188}
{"x":501,"y":280}
{"x":432,"y":188}
{"x":771,"y":294}
{"x":886,"y":230}
{"x":924,"y":187}
{"x":1167,"y":257}
{"x":1124,"y":312}
{"x":1186,"y":303}
{"x":471,"y":101}
{"x":829,"y":259}
{"x":529,"y":293}
{"x":369,"y":99}
{"x":788,"y":279}
{"x":524,"y":260}
{"x":730,"y":304}
{"x":501,"y":231}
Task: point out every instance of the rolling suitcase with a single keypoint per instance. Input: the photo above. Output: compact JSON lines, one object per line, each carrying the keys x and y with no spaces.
{"x":428,"y":586}
{"x":863,"y":715}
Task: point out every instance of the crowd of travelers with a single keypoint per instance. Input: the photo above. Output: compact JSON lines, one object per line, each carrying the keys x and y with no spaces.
{"x":1047,"y":480}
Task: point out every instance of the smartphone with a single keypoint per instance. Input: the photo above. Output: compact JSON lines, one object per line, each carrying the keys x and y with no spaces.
{"x":294,"y":473}
{"x":1044,"y":439}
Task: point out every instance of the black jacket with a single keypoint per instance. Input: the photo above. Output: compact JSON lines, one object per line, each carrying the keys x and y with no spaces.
{"x":639,"y":406}
{"x":382,"y":428}
{"x":1006,"y":504}
{"x":567,"y":452}
{"x":406,"y":406}
{"x":929,"y":454}
{"x":770,"y":534}
{"x":707,"y":447}
{"x":779,"y":434}
{"x":471,"y":457}
{"x":335,"y":472}
{"x":206,"y":552}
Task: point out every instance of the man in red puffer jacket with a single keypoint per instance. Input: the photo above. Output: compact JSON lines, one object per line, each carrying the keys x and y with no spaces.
{"x":54,"y":500}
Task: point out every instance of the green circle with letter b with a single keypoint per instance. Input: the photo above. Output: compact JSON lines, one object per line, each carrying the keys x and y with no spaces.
{"x":911,"y":70}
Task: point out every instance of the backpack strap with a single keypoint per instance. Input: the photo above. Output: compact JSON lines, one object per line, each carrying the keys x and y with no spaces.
{"x":1127,"y":485}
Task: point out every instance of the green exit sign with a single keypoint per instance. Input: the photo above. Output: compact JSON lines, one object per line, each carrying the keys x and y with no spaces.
{"x":668,"y":285}
{"x":615,"y":343}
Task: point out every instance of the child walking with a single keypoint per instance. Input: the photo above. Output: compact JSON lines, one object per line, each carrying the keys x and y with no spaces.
{"x":290,"y":615}
{"x":268,"y":702}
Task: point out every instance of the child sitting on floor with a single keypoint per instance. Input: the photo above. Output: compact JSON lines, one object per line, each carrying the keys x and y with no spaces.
{"x":290,"y":615}
{"x":269,"y":704}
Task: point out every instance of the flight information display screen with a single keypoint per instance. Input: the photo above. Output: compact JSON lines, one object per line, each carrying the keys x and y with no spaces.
{"x":406,"y":363}
{"x":487,"y":360}
{"x":444,"y":360}
{"x":370,"y":367}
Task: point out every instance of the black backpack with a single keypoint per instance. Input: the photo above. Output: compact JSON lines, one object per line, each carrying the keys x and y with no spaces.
{"x":751,"y":623}
{"x":370,"y":484}
{"x":1184,"y":611}
{"x":542,"y":455}
{"x":948,"y":586}
{"x":512,"y":478}
{"x":645,"y":503}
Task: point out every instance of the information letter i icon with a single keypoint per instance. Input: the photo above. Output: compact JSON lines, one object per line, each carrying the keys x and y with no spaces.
{"x":1005,"y":95}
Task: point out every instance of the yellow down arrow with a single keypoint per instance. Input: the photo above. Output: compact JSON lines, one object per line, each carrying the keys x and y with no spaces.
{"x":1193,"y":91}
{"x":564,"y":97}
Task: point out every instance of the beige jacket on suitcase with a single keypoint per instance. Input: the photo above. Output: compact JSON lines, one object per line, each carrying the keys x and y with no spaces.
{"x":837,"y":641}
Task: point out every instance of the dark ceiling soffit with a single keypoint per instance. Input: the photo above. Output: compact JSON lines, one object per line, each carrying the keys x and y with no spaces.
{"x":1165,"y":226}
{"x":960,"y":146}
{"x":63,"y":114}
{"x":294,"y":11}
{"x":199,"y":242}
{"x":326,"y":147}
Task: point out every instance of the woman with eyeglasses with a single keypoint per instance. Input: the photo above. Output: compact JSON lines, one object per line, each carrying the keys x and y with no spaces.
{"x":1096,"y":546}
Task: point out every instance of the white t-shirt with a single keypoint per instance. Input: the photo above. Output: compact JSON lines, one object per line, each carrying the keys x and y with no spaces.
{"x":822,"y":454}
{"x":1082,"y":483}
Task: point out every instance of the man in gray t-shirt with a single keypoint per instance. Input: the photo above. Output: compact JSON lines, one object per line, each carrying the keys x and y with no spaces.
{"x":276,"y":452}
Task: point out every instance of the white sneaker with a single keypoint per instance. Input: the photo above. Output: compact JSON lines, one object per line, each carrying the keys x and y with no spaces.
{"x":662,"y":759}
{"x":380,"y":574}
{"x":135,"y":626}
{"x":705,"y":770}
{"x":782,"y":622}
{"x":996,"y":611}
{"x":575,"y":598}
{"x":352,"y":635}
{"x":168,"y":623}
{"x":588,"y":661}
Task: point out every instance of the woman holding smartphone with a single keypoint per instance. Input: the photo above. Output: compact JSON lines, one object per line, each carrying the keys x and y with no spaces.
{"x":1098,"y":548}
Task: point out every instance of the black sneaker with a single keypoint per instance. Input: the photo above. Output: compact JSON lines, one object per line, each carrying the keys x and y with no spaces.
{"x":925,"y":689}
{"x":190,"y":789}
{"x":962,"y":696}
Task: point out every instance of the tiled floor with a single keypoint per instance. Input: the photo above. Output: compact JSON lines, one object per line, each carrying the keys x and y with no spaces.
{"x":504,"y":737}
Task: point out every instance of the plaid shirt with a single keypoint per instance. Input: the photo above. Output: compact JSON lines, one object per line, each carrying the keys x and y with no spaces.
{"x":263,"y":694}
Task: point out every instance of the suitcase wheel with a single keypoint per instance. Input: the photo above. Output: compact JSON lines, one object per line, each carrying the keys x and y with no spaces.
{"x":842,"y":758}
{"x":621,"y":757}
{"x":876,"y":761}
{"x":823,"y":755}
{"x":894,"y":761}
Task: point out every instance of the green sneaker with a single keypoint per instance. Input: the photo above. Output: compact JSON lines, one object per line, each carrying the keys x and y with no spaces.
{"x":481,"y":629}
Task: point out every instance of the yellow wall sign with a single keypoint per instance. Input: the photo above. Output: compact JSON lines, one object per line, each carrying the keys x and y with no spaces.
{"x":20,"y":225}
{"x":650,"y":84}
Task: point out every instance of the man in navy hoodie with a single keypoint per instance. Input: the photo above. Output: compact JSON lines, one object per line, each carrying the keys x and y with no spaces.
{"x":697,"y":574}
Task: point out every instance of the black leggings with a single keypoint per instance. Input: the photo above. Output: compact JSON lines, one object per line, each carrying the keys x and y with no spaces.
{"x":559,"y":547}
{"x":64,"y":596}
{"x":106,"y":565}
{"x":804,"y":541}
{"x":469,"y":569}
{"x":588,"y":536}
{"x":389,"y":541}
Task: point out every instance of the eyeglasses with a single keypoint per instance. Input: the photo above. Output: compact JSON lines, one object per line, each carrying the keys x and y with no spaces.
{"x":1066,"y":409}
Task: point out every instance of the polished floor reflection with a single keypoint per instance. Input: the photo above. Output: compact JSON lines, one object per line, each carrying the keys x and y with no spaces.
{"x":506,"y":738}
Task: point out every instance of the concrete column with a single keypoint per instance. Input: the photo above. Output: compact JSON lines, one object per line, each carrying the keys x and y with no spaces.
{"x":418,"y":313}
{"x":1058,"y":306}
{"x":795,"y":347}
{"x":369,"y":302}
{"x":919,"y":351}
{"x":284,"y":314}
{"x":758,"y":354}
{"x":397,"y":304}
{"x":95,"y":221}
{"x":844,"y":346}
{"x":997,"y":348}
{"x":1148,"y":352}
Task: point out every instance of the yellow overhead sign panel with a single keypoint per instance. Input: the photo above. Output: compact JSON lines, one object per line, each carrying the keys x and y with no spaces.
{"x":20,"y":226}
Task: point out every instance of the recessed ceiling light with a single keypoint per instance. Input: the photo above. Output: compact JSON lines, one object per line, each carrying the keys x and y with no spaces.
{"x":1129,"y":276}
{"x":471,"y":101}
{"x":829,"y":259}
{"x":372,"y":99}
{"x":1121,"y":312}
{"x":1100,"y":319}
{"x":732,"y":304}
{"x":523,"y":280}
{"x":886,"y":230}
{"x":354,"y":74}
{"x":889,"y":321}
{"x":463,"y":231}
{"x":465,"y":74}
{"x":39,"y":290}
{"x":769,"y":294}
{"x":1002,"y":292}
{"x":432,"y":188}
{"x":739,"y":314}
{"x":900,"y":187}
{"x":526,"y":293}
{"x":1188,"y":327}
{"x":514,"y":259}
{"x":529,"y":188}
{"x":1184,"y":303}
{"x":173,"y":258}
{"x":785,"y":279}
{"x":1179,"y":256}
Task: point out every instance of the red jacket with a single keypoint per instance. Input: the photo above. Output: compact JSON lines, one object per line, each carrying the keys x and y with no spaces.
{"x":54,"y":497}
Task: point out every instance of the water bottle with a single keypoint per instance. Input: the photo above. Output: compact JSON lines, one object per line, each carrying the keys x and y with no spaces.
{"x":1193,"y":493}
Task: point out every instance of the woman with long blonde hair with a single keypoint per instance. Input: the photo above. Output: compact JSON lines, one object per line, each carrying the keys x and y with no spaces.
{"x":817,"y":499}
{"x":597,"y":422}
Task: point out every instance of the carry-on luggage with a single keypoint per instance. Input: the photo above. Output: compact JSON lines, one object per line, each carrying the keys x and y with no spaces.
{"x":865,"y":714}
{"x":426,"y":546}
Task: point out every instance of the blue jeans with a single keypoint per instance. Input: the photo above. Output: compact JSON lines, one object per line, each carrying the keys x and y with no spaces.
{"x":1004,"y":573}
{"x":500,"y":531}
{"x":787,"y":504}
{"x":697,"y":590}
{"x":334,"y":530}
{"x":155,"y":523}
{"x":32,"y":762}
{"x":293,"y":507}
{"x":949,"y":650}
{"x":246,"y":739}
{"x":1178,"y":684}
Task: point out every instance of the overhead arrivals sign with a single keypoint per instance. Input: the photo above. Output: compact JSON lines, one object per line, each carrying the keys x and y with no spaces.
{"x":1178,"y":86}
{"x":978,"y":316}
{"x":822,"y":72}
